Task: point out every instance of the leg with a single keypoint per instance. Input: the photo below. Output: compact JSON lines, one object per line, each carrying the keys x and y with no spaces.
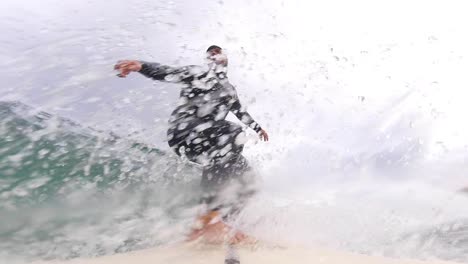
{"x":243,"y":187}
{"x":223,"y":183}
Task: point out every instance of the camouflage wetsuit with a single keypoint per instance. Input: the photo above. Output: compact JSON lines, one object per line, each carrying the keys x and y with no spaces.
{"x":198,"y":129}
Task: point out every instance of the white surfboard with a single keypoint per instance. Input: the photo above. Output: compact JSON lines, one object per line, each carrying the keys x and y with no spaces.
{"x":196,"y":254}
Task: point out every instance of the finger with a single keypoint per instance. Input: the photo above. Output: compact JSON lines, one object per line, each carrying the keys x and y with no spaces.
{"x":125,"y":72}
{"x":122,"y":64}
{"x":119,"y":64}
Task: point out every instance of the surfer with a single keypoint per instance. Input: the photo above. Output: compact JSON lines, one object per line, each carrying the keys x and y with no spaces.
{"x":199,"y":132}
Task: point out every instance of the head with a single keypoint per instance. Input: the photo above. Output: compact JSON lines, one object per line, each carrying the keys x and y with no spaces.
{"x":215,"y":54}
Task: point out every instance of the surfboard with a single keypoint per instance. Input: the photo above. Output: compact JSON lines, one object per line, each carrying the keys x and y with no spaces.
{"x":206,"y":254}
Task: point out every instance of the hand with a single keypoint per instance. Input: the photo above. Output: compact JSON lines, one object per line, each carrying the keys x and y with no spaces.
{"x":263,"y":135}
{"x":126,"y":66}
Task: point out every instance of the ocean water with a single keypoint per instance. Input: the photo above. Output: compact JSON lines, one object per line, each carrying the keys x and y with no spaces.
{"x":61,"y":181}
{"x":364,"y":104}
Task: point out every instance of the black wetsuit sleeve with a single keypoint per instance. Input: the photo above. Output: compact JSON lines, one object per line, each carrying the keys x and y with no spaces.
{"x":244,"y":116}
{"x":165,"y":73}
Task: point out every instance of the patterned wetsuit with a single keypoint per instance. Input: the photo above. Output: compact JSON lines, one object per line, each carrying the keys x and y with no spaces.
{"x":198,"y":129}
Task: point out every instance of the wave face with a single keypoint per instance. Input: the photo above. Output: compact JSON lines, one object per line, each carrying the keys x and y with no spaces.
{"x":365,"y":108}
{"x":65,"y":188}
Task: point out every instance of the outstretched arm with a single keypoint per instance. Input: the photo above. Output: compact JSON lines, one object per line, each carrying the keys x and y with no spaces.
{"x":153,"y":70}
{"x":245,"y":118}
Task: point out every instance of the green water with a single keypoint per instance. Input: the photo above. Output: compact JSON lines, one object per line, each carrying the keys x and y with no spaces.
{"x":65,"y":188}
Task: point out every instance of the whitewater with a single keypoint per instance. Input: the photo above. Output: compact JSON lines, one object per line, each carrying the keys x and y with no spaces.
{"x":364,"y":103}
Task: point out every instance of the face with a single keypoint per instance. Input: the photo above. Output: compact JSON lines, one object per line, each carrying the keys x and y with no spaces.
{"x":216,"y":55}
{"x":214,"y":52}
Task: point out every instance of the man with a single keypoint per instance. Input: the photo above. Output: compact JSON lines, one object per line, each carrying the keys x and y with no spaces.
{"x":199,"y":132}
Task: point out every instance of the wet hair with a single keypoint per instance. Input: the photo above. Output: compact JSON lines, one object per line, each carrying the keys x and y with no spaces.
{"x":212,"y":47}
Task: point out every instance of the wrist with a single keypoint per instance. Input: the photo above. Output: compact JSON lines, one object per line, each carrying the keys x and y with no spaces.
{"x":142,"y":66}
